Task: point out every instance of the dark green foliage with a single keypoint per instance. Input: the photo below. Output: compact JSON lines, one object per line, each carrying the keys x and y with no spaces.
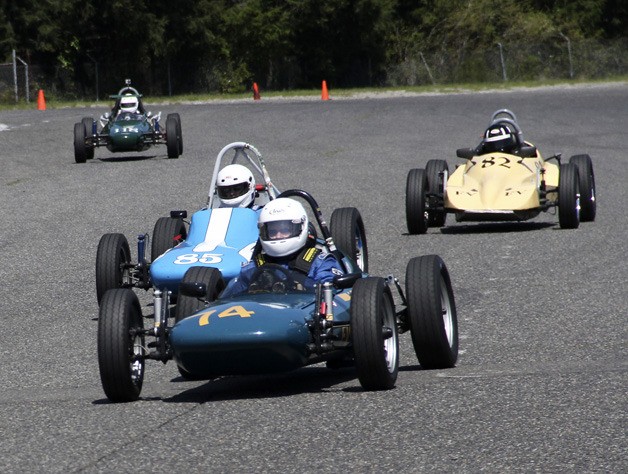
{"x":225,"y":45}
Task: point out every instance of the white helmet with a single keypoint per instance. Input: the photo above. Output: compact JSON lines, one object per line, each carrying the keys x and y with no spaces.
{"x":283,"y":227}
{"x":235,"y":186}
{"x":129,"y":103}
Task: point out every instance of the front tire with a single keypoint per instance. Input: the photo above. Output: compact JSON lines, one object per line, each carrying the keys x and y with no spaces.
{"x":88,"y":123}
{"x":416,"y":188}
{"x":431,"y":312}
{"x":112,"y":261}
{"x":437,"y":172}
{"x":568,"y":197}
{"x":347,"y":230}
{"x":374,"y":333}
{"x":121,"y":345}
{"x":167,"y":233}
{"x":586,"y":178}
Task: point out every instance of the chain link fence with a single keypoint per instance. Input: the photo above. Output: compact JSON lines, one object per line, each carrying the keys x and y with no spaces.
{"x":560,"y":58}
{"x":564,"y":59}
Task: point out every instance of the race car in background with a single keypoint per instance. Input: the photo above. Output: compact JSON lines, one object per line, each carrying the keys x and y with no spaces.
{"x":501,"y":184}
{"x":128,"y":127}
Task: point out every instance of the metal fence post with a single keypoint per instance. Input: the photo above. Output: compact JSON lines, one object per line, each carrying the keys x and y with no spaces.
{"x":501,"y":57}
{"x":15,"y":76}
{"x":25,"y":78}
{"x":569,"y":53}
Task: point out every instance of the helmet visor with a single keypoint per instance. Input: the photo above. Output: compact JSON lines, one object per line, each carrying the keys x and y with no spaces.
{"x":233,"y":191}
{"x":280,"y":230}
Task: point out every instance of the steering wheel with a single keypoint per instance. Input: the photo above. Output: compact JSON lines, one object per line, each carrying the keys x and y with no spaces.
{"x":272,"y":278}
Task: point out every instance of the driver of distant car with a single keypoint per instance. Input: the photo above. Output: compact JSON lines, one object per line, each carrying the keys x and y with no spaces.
{"x":129,"y":103}
{"x":285,"y":240}
{"x":235,"y":186}
{"x":498,"y":138}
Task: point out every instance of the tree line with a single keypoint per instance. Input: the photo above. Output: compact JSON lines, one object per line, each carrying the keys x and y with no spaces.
{"x":185,"y":46}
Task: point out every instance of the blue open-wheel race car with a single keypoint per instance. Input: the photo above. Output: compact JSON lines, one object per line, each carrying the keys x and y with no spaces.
{"x":276,"y":323}
{"x":217,"y":237}
{"x":128,"y":127}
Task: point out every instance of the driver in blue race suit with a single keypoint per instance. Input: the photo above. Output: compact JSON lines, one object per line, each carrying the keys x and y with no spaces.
{"x":235,"y":186}
{"x":285,"y":240}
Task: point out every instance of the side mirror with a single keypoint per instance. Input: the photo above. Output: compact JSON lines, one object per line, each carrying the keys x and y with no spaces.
{"x":178,"y":214}
{"x":466,"y":153}
{"x":193,"y":289}
{"x":346,"y":281}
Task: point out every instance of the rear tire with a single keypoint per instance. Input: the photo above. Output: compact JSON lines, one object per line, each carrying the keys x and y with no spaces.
{"x":374,"y":334}
{"x":172,"y":141}
{"x":80,"y":149}
{"x":588,"y":204}
{"x":121,"y":345}
{"x":416,"y":188}
{"x":431,"y":312}
{"x":347,"y":230}
{"x":179,"y":132}
{"x":436,"y":182}
{"x":568,"y":197}
{"x":167,"y":233}
{"x":112,"y":257}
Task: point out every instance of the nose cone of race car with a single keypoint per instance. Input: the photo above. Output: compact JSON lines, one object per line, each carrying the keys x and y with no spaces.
{"x":494,"y":188}
{"x":245,"y":337}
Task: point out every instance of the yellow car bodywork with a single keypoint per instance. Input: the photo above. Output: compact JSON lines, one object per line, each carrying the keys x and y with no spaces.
{"x":501,"y":186}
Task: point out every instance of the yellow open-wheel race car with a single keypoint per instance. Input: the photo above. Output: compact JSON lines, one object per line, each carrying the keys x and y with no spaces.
{"x":505,"y":178}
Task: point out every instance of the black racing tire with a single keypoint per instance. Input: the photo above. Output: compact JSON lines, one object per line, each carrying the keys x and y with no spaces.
{"x":431,"y":312}
{"x":436,"y":182}
{"x":347,"y":230}
{"x":112,"y":259}
{"x":568,"y":197}
{"x":588,"y":202}
{"x":121,"y":345}
{"x":167,"y":233}
{"x":188,"y":305}
{"x":80,"y":149}
{"x":416,"y":188}
{"x":179,"y":132}
{"x":88,"y":122}
{"x":172,"y":137}
{"x":374,"y":334}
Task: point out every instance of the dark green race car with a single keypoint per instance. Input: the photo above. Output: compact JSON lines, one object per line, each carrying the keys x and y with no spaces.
{"x":129,"y":127}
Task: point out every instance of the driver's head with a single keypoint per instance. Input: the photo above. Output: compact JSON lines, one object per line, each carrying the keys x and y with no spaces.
{"x":129,"y":103}
{"x":283,"y":227}
{"x":235,"y":186}
{"x":499,"y":138}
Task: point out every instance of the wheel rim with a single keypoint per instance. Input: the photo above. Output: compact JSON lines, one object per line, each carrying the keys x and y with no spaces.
{"x":391,"y":345}
{"x":578,"y":206}
{"x":125,"y":275}
{"x":445,"y":304}
{"x":137,"y":362}
{"x":359,"y":246}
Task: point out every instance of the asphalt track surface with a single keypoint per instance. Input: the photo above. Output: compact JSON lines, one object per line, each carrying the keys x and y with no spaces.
{"x":540,"y":384}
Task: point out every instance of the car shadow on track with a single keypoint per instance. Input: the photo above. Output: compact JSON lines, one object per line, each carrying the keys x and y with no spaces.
{"x":305,"y":380}
{"x":496,"y":227}
{"x":121,"y":159}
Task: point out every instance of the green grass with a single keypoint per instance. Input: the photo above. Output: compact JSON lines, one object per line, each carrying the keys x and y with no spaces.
{"x":52,"y":103}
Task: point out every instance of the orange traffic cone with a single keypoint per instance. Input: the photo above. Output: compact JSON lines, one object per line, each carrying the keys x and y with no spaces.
{"x":325,"y":94}
{"x":255,"y":92}
{"x":41,"y":101}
